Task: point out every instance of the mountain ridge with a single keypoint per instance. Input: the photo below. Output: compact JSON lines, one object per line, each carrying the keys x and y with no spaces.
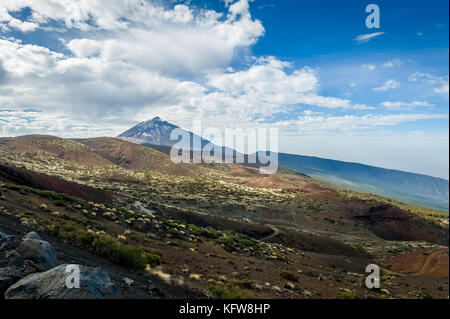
{"x":413,"y":188}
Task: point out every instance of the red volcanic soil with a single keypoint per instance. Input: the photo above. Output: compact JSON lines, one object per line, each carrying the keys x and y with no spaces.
{"x":276,"y":181}
{"x":64,"y":149}
{"x":136,"y":157}
{"x":392,"y":223}
{"x":22,"y":176}
{"x":243,"y":171}
{"x":423,"y":262}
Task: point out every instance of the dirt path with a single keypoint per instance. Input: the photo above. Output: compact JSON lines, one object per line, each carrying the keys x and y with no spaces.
{"x":427,"y":265}
{"x":276,"y":231}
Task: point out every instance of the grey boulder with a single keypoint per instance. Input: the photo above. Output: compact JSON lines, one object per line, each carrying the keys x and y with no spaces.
{"x":40,"y":252}
{"x":32,"y":235}
{"x":94,"y":284}
{"x":8,"y":276}
{"x":5,"y":238}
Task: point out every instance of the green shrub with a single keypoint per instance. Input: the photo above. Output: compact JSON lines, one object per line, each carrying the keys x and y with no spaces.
{"x":60,"y":203}
{"x":228,"y":292}
{"x":289,"y":276}
{"x":246,"y":284}
{"x":48,"y":194}
{"x":232,"y":242}
{"x":208,"y":232}
{"x":346,"y":295}
{"x":124,"y":255}
{"x":106,"y":246}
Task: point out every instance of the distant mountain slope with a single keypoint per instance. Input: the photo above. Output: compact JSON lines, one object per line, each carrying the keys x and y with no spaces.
{"x":102,"y":151}
{"x":411,"y":188}
{"x":408,"y":187}
{"x":136,"y":157}
{"x":65,"y":149}
{"x":157,"y":132}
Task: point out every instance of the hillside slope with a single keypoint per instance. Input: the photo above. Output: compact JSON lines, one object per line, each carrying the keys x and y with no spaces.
{"x":65,"y":149}
{"x":136,"y":157}
{"x":408,"y":187}
{"x":412,"y":188}
{"x":103,"y":151}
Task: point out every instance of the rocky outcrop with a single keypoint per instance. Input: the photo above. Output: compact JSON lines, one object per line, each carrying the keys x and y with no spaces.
{"x":27,"y":271}
{"x":38,"y":251}
{"x":20,"y":258}
{"x":32,"y":235}
{"x":5,"y":238}
{"x":8,"y":276}
{"x":94,"y":283}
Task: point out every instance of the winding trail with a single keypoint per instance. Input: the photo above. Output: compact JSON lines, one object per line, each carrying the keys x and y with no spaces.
{"x":276,"y":231}
{"x":427,"y":265}
{"x":428,"y":262}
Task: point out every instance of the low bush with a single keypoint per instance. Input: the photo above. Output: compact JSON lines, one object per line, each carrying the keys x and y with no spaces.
{"x":289,"y":276}
{"x":228,"y":292}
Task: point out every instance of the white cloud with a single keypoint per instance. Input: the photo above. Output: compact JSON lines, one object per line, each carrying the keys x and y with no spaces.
{"x":267,"y":82}
{"x":173,"y":40}
{"x":388,"y":85}
{"x":20,"y":122}
{"x":309,"y":112}
{"x":424,"y":77}
{"x":21,"y":60}
{"x":398,"y":104}
{"x":93,"y":88}
{"x":443,"y":82}
{"x":9,"y":21}
{"x":362,"y":38}
{"x":84,"y":48}
{"x":319,"y":124}
{"x":23,"y":26}
{"x":393,"y":63}
{"x":173,"y":62}
{"x":442,"y":90}
{"x":370,"y":67}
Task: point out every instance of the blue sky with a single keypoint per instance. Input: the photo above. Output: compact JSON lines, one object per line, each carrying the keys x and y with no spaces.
{"x":92,"y":68}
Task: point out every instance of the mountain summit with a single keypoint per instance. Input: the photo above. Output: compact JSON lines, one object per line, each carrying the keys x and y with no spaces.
{"x":155,"y":131}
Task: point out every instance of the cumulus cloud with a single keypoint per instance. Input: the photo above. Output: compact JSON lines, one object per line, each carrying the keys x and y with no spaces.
{"x":174,"y":39}
{"x":130,"y":60}
{"x":268,"y":82}
{"x":133,"y":68}
{"x":7,"y":21}
{"x":94,"y":86}
{"x":388,"y":85}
